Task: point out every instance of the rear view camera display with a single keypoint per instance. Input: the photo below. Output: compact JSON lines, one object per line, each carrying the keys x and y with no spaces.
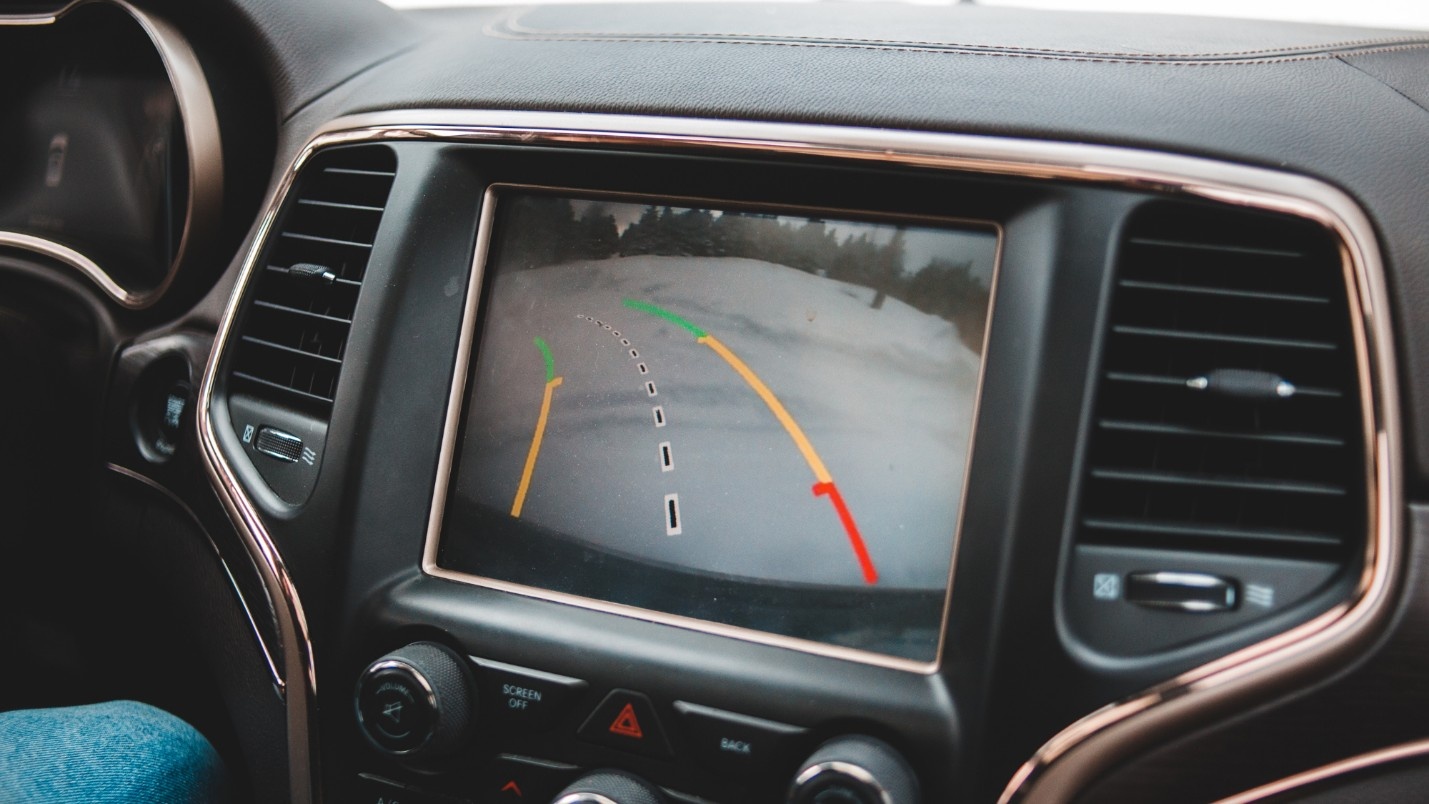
{"x":752,"y":418}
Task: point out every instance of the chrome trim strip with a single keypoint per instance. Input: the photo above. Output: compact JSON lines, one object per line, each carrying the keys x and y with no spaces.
{"x":68,"y":256}
{"x":1091,"y":745}
{"x":457,"y":397}
{"x":1324,"y":773}
{"x":222,"y":562}
{"x":858,"y":773}
{"x":294,"y":637}
{"x":1069,"y":761}
{"x":201,"y":140}
{"x":585,"y":798}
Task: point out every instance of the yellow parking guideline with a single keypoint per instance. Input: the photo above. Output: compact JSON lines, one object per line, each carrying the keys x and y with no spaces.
{"x":551,"y":382}
{"x":800,"y":440}
{"x":535,"y":448}
{"x":825,"y":487}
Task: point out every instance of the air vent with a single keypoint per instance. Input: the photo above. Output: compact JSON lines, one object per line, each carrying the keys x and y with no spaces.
{"x":1227,"y":418}
{"x":293,"y":338}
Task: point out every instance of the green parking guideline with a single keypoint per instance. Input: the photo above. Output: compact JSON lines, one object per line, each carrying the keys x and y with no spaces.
{"x":546,"y":356}
{"x":647,"y":307}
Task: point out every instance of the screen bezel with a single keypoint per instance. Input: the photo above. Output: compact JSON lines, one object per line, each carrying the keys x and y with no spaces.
{"x":460,"y":391}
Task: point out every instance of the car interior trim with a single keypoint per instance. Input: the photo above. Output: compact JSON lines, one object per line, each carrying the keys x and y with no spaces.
{"x":202,"y":142}
{"x":1092,"y":744}
{"x":453,"y":424}
{"x":68,"y":256}
{"x":1066,"y":763}
{"x":1324,"y":773}
{"x":294,"y":636}
{"x":223,"y":563}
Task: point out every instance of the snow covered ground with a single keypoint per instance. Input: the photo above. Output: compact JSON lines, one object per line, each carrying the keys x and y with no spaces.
{"x":885,"y":397}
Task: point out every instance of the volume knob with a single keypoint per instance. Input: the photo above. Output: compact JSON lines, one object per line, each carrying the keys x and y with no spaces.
{"x":416,"y":702}
{"x":855,"y":770}
{"x":610,"y":787}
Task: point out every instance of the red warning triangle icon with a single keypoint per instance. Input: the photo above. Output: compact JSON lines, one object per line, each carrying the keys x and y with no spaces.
{"x":626,"y":724}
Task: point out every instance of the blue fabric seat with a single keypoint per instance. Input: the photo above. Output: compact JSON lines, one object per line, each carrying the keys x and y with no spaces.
{"x":107,"y":753}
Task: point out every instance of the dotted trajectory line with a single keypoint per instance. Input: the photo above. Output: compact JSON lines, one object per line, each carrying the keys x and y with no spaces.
{"x":824,"y":485}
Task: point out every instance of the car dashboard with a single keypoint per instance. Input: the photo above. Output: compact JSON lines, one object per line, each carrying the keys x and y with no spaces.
{"x":721,"y":402}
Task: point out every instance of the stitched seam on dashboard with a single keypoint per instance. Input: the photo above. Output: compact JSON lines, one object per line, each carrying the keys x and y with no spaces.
{"x":513,"y":25}
{"x":945,"y":51}
{"x":1391,"y":87}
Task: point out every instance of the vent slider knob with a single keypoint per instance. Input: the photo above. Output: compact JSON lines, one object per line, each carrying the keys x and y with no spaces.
{"x":309,"y":273}
{"x":1243,"y":384}
{"x":279,"y":444}
{"x":1195,"y":592}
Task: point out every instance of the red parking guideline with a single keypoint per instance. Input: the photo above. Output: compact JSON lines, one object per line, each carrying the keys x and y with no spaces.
{"x":870,"y":575}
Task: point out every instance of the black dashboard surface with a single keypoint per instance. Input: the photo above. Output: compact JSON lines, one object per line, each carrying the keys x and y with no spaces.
{"x":1337,"y":103}
{"x":1348,"y":107}
{"x":1333,"y":103}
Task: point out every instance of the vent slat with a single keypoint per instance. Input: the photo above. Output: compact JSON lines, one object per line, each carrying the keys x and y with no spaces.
{"x":290,"y":350}
{"x":1202,"y":432}
{"x":1224,"y":248}
{"x":313,"y":202}
{"x":1233,"y":293}
{"x":1281,"y":485}
{"x":267,"y":305}
{"x":243,"y":375}
{"x":294,"y":335}
{"x":1216,"y":337}
{"x":360,"y":172}
{"x":1179,"y":459}
{"x":1135,"y":526}
{"x":1148,"y":379}
{"x":332,"y":241}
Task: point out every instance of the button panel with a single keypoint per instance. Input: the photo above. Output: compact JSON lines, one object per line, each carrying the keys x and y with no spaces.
{"x":518,"y":778}
{"x":737,"y":744}
{"x":371,"y":789}
{"x":523,"y":699}
{"x":626,"y":720}
{"x":541,"y":731}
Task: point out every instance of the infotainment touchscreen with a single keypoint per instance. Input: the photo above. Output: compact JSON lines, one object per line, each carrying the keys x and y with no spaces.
{"x":720,"y":416}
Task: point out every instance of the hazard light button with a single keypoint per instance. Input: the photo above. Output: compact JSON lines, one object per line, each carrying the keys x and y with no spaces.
{"x":627,"y":720}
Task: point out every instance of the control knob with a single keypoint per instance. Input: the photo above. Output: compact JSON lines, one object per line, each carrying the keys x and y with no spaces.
{"x":416,"y":702}
{"x":855,"y":770}
{"x":610,"y":787}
